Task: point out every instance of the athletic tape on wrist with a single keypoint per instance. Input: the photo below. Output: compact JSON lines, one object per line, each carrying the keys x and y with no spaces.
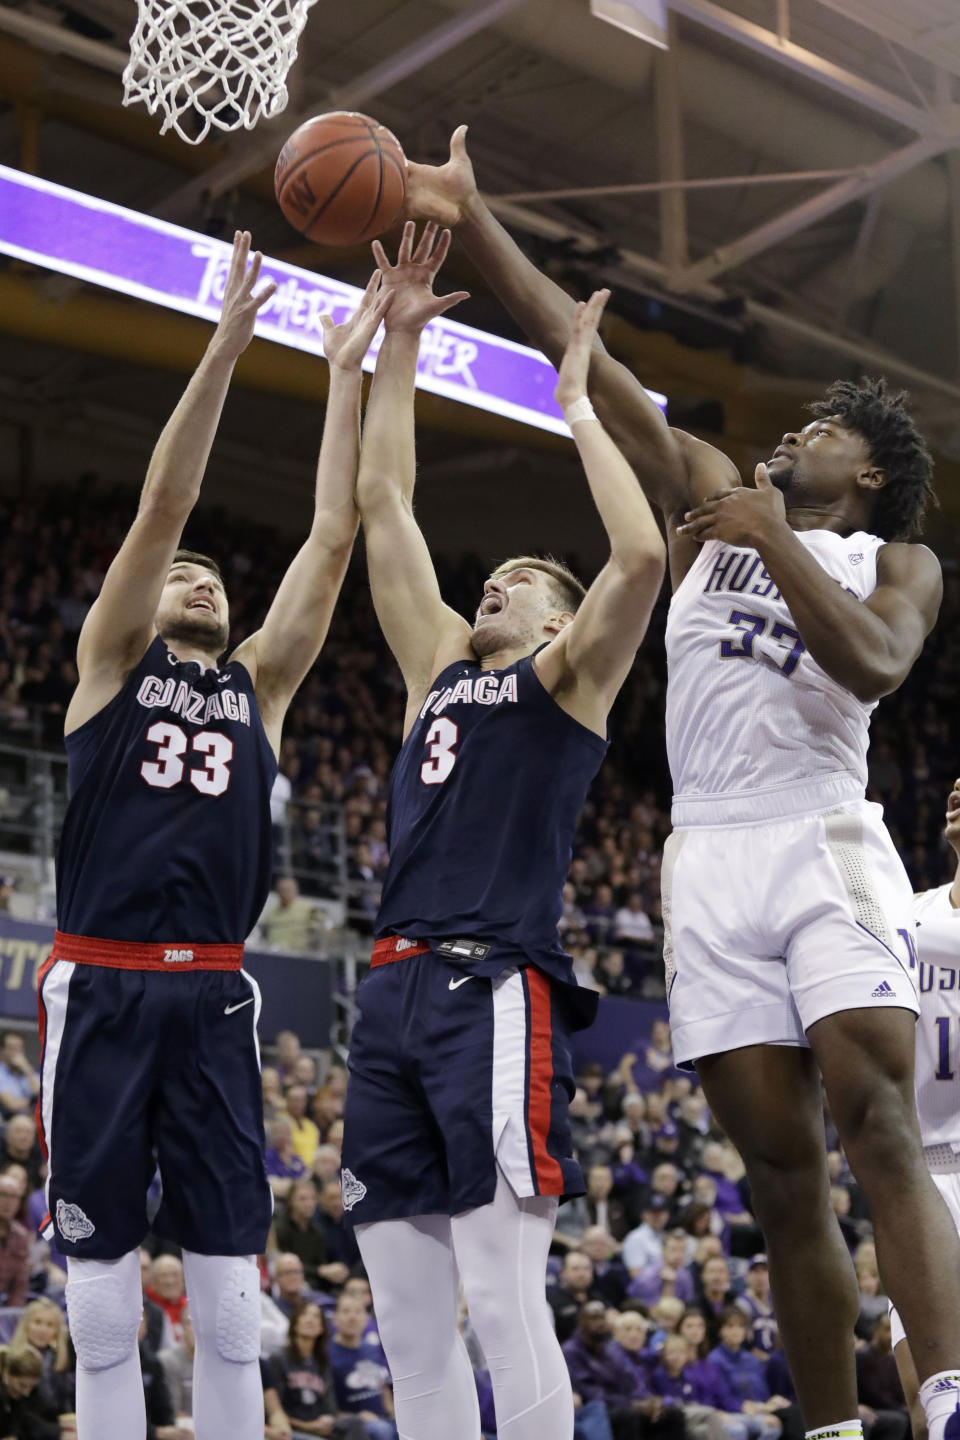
{"x":580,"y":410}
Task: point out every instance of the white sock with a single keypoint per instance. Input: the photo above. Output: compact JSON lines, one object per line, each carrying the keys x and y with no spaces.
{"x":223,"y":1293}
{"x":501,"y":1251}
{"x":843,"y":1430}
{"x":414,"y":1281}
{"x":940,"y":1397}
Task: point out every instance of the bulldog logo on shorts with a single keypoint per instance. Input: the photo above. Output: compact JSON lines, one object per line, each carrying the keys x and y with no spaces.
{"x":72,"y":1223}
{"x":352,"y":1189}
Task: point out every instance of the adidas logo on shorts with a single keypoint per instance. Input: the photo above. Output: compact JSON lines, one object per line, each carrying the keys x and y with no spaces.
{"x":884,"y":991}
{"x":352,"y":1189}
{"x":72,"y":1223}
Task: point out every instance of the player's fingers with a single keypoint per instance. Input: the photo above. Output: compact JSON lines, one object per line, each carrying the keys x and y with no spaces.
{"x":421,"y":255}
{"x":447,"y":302}
{"x":458,"y":143}
{"x":380,"y":255}
{"x":254,"y":271}
{"x":370,"y":293}
{"x":264,"y":293}
{"x":237,"y":264}
{"x":706,"y":510}
{"x":440,"y":250}
{"x":406,"y":243}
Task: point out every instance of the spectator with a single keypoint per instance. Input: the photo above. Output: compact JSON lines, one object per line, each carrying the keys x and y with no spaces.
{"x":670,"y":1277}
{"x":299,"y":1386}
{"x":284,"y":1165}
{"x":644,"y":1246}
{"x":21,"y":1147}
{"x":675,"y":1379}
{"x":177,"y":1363}
{"x":305,"y":1073}
{"x":287,"y":1046}
{"x":326,"y":1164}
{"x":360,"y":1372}
{"x":600,"y":1371}
{"x":290,"y":1291}
{"x":14,"y":1246}
{"x":882,"y":1405}
{"x":342,"y":1250}
{"x":19,"y":1082}
{"x":756,"y":1304}
{"x":290,"y":924}
{"x":630,"y":1331}
{"x":600,"y":1206}
{"x":42,"y":1328}
{"x":161,"y":1419}
{"x":840,"y":1200}
{"x":665,"y":1320}
{"x":297,"y":1232}
{"x":665,"y":1181}
{"x":600,"y":913}
{"x":716,"y":1294}
{"x":711,"y":1385}
{"x":577,"y":1284}
{"x":305,"y":1134}
{"x":610,"y":1275}
{"x":631,"y":924}
{"x":166,"y":1289}
{"x":744,"y":1375}
{"x":873,"y":1302}
{"x":274,"y":1101}
{"x":21,"y":1371}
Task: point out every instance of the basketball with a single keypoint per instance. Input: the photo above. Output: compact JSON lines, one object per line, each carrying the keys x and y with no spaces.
{"x":341,"y":178}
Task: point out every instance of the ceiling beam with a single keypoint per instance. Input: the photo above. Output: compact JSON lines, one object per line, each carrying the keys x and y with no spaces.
{"x":801,"y":217}
{"x":805,"y":62}
{"x":674,"y":251}
{"x":657,"y":187}
{"x":245,"y":157}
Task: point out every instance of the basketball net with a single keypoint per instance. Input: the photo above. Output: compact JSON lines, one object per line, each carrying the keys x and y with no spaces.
{"x":213,"y":62}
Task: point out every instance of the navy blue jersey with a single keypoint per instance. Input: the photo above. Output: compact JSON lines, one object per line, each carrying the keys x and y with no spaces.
{"x":484,"y":800}
{"x":167,"y":834}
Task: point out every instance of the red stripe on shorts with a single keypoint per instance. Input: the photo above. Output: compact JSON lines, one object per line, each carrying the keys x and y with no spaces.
{"x":385,"y":951}
{"x":135,"y":955}
{"x":549,"y":1175}
{"x":44,"y":970}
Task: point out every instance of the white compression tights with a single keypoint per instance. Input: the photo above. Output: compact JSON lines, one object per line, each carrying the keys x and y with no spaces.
{"x":499,"y":1252}
{"x":104,"y":1305}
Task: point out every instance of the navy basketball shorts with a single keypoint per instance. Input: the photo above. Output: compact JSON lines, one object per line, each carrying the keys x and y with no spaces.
{"x":452,"y":1077}
{"x":150,"y":1062}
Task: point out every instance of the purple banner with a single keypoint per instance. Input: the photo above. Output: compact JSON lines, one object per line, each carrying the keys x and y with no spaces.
{"x":139,"y":255}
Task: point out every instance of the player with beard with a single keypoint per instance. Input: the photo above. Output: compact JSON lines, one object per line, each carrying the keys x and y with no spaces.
{"x":798,"y":604}
{"x":456,"y":1138}
{"x":148,"y":1022}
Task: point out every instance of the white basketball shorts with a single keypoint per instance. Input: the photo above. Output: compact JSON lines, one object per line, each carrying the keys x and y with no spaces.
{"x":949,"y":1187}
{"x":771,"y":926}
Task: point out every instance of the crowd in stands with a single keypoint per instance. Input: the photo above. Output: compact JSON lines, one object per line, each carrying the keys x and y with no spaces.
{"x":657,"y":1281}
{"x":344,"y":729}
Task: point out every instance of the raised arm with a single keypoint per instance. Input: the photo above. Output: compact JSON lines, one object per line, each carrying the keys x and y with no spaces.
{"x":673,"y":467}
{"x":119,"y":627}
{"x":585,"y":666}
{"x":424,"y":634}
{"x":281,"y":652}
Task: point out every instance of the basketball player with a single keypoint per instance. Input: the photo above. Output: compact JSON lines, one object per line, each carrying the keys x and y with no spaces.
{"x":148,"y":1022}
{"x":937,"y":915}
{"x":456,"y":1139}
{"x":796,"y":607}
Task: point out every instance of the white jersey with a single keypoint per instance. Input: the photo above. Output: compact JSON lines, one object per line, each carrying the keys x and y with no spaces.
{"x":938,"y":1031}
{"x":755,"y":729}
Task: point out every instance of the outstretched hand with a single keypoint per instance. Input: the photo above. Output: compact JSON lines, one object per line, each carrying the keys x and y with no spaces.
{"x":409,"y":283}
{"x":241,"y":302}
{"x":741,"y":516}
{"x":442,"y":193}
{"x":575,"y":365}
{"x":346,"y":344}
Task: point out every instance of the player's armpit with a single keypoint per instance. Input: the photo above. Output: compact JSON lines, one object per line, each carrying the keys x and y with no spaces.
{"x":586,"y":665}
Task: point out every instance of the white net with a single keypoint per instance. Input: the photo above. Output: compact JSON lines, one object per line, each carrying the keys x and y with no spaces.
{"x":213,"y":62}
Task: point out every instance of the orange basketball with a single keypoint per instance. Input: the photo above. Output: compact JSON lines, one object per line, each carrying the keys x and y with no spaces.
{"x":341,"y":178}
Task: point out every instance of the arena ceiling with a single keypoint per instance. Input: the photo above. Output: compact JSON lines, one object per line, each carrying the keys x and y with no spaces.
{"x":779,"y":191}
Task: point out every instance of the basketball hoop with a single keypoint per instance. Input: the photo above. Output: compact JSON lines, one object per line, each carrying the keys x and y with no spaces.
{"x":213,"y":62}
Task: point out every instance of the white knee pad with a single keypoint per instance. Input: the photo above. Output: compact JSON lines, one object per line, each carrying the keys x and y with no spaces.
{"x":223,"y":1292}
{"x":104,"y":1306}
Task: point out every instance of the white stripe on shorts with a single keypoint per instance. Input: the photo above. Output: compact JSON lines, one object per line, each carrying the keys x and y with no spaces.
{"x":55,"y":993}
{"x":510,"y":1047}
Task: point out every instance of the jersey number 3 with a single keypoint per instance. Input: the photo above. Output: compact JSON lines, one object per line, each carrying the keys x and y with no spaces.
{"x":441,"y":742}
{"x":211,"y":778}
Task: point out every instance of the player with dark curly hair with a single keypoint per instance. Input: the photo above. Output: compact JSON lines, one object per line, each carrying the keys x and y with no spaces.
{"x":788,"y":915}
